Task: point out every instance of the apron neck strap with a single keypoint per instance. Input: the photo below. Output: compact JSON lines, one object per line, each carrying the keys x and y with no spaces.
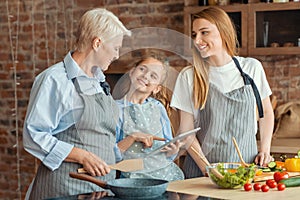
{"x":249,"y":81}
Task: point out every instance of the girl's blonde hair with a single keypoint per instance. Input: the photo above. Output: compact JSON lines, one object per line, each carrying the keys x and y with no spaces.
{"x":164,"y":94}
{"x":228,"y":35}
{"x":100,"y":23}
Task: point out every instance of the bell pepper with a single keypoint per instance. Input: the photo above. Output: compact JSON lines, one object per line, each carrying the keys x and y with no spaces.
{"x":292,"y":164}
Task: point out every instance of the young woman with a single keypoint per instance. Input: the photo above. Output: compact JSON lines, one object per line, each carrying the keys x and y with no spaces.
{"x":220,"y":93}
{"x":71,"y":119}
{"x":142,"y":118}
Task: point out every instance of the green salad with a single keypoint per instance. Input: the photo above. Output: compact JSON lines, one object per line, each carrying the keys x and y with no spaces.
{"x":233,"y":178}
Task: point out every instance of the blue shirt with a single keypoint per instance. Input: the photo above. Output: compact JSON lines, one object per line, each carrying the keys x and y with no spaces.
{"x":164,"y":119}
{"x":54,"y":106}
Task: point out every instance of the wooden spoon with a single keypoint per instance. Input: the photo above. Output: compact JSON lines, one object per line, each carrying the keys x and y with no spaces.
{"x":124,"y":166}
{"x":159,"y":138}
{"x":213,"y":170}
{"x":239,"y":153}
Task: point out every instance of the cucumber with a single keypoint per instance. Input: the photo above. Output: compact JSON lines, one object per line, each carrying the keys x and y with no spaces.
{"x":266,"y":170}
{"x":272,"y":165}
{"x":291,"y":182}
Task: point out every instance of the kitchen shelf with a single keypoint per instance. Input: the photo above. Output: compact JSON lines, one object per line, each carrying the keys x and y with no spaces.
{"x":283,"y":20}
{"x":284,"y":27}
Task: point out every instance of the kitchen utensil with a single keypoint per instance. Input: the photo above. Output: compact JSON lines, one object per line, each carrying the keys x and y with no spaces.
{"x":159,"y":138}
{"x":213,"y":170}
{"x":124,"y":166}
{"x":129,"y":188}
{"x":266,"y":33}
{"x":239,"y":153}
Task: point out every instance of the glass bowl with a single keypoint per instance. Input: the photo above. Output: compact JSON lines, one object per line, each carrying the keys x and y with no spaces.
{"x":235,"y":175}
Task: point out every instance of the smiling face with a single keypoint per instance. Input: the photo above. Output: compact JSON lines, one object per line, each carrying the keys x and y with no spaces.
{"x":147,"y":76}
{"x":207,"y":38}
{"x":108,"y":52}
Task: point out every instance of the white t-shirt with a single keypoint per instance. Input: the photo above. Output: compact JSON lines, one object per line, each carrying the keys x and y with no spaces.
{"x":227,"y":78}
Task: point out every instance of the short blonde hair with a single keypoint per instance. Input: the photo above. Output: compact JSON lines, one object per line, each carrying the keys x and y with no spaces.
{"x":101,"y":23}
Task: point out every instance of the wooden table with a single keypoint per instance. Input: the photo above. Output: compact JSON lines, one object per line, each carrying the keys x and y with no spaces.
{"x":204,"y":187}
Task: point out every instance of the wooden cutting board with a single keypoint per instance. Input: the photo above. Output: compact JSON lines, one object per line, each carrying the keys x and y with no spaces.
{"x":269,"y":175}
{"x":204,"y":187}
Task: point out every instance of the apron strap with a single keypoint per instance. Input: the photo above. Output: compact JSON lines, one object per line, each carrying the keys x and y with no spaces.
{"x":248,"y":80}
{"x":106,"y":88}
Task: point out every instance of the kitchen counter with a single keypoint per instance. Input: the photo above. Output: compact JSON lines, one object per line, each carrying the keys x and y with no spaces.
{"x":284,"y":146}
{"x":204,"y":187}
{"x":165,"y":196}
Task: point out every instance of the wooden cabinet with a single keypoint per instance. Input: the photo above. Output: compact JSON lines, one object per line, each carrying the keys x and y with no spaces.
{"x":260,"y":24}
{"x":274,"y":23}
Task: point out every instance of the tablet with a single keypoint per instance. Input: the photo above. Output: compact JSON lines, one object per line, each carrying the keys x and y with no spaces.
{"x":178,"y":137}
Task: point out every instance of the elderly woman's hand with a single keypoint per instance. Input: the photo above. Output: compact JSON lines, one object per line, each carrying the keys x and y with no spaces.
{"x":94,"y":165}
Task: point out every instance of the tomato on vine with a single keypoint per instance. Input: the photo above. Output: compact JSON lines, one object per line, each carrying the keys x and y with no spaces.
{"x":265,"y":188}
{"x":280,"y":175}
{"x":271,"y":183}
{"x":257,"y":186}
{"x":280,"y":187}
{"x":247,"y":187}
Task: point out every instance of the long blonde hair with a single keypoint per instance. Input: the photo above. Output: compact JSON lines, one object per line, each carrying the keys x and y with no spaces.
{"x":228,"y":35}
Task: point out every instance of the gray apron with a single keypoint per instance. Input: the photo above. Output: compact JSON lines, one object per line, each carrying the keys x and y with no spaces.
{"x":226,"y":115}
{"x":146,"y":118}
{"x":94,"y":132}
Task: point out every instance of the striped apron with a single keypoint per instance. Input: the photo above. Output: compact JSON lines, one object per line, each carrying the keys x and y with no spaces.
{"x":94,"y":132}
{"x":226,"y":115}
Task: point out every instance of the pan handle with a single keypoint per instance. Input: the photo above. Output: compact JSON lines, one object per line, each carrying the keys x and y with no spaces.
{"x":89,"y":178}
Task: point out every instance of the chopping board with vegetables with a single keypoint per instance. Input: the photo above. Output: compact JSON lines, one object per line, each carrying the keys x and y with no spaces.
{"x":291,"y":166}
{"x":269,"y":175}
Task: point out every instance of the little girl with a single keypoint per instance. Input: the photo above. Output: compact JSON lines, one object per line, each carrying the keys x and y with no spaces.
{"x":143,"y":119}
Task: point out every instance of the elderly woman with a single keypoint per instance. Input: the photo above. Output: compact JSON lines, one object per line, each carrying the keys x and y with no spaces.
{"x":71,"y":117}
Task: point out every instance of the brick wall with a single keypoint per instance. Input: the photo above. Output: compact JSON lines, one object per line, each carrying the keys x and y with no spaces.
{"x":36,"y":33}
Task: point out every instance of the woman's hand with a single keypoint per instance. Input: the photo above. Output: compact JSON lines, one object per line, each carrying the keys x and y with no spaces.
{"x":263,"y":158}
{"x":94,"y":165}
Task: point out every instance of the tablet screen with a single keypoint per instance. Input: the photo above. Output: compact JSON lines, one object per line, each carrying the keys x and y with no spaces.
{"x":178,"y":137}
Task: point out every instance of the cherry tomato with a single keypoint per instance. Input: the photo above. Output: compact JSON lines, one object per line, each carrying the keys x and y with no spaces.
{"x":271,"y":183}
{"x":280,"y":175}
{"x":281,"y":186}
{"x":247,"y":187}
{"x":257,"y":186}
{"x":265,"y":188}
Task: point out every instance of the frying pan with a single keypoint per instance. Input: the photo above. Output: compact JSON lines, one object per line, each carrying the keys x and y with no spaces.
{"x":129,"y":188}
